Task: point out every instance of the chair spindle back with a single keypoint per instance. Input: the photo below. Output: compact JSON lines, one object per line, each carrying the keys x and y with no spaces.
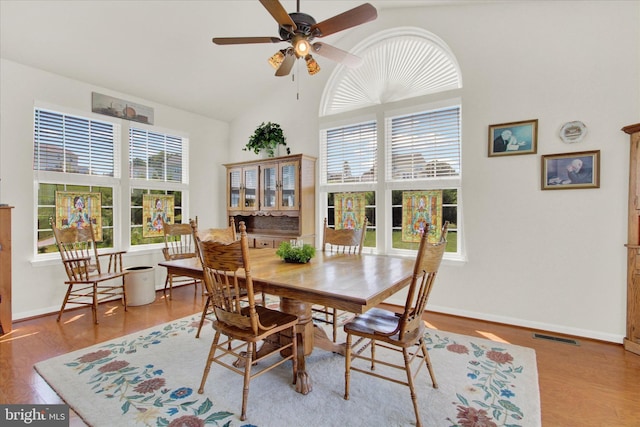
{"x":178,"y":241}
{"x":78,"y":251}
{"x":221,"y":262}
{"x":425,"y":270}
{"x":344,"y":240}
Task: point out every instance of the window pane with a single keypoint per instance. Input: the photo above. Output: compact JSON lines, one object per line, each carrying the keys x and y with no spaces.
{"x":137,"y":214}
{"x":73,"y":144}
{"x":448,"y":211}
{"x":350,"y":154}
{"x":424,"y":145}
{"x":155,"y":156}
{"x":369,"y":210}
{"x":47,"y":212}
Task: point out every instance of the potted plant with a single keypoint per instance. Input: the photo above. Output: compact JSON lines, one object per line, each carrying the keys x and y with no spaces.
{"x":267,"y":137}
{"x":299,"y":254}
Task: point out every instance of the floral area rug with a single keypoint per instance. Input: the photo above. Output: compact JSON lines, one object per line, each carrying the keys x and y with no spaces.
{"x":151,"y":378}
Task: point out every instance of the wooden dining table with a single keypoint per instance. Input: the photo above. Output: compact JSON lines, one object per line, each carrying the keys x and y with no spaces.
{"x":353,"y":283}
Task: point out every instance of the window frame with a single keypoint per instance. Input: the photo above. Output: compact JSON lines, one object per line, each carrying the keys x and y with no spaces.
{"x":383,"y":188}
{"x":154,"y":186}
{"x":76,"y":179}
{"x":120,"y":184}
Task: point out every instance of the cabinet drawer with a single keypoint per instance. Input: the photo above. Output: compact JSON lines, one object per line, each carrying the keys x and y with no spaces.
{"x":263,"y":243}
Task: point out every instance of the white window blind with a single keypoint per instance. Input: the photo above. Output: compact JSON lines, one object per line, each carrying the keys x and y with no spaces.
{"x":350,"y":154}
{"x":156,"y":156}
{"x":424,"y":145}
{"x":73,"y":144}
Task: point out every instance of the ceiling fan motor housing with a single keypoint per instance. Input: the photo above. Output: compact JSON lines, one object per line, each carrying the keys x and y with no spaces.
{"x":303,"y":22}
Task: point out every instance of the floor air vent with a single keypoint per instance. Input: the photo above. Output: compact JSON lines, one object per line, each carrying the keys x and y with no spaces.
{"x":556,"y":339}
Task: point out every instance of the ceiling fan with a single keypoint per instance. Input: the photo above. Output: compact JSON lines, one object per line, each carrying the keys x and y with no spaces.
{"x":300,"y":29}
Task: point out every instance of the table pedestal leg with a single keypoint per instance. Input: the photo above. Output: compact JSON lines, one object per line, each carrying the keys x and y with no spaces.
{"x":308,"y":335}
{"x":322,"y":340}
{"x":304,"y":334}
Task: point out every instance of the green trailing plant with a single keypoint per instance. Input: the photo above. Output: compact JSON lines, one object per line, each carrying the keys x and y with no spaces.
{"x":298,"y":254}
{"x":267,"y":137}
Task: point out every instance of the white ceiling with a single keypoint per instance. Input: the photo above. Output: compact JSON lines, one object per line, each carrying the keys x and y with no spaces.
{"x":161,"y":50}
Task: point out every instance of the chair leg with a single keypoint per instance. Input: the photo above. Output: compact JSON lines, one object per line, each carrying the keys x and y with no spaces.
{"x":414,"y":398}
{"x":64,"y":302}
{"x":373,"y":355}
{"x":94,"y":306}
{"x":251,"y":348}
{"x":195,"y":287}
{"x":168,"y":282}
{"x":207,"y":367}
{"x":294,"y":350}
{"x":427,"y":361}
{"x":204,"y":314}
{"x":124,"y":293}
{"x":347,"y":366}
{"x":334,"y":313}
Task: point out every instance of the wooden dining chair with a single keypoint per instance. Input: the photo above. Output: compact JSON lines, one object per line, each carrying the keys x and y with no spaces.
{"x":241,"y":321}
{"x":178,"y":244}
{"x":403,"y":332}
{"x":87,"y":282}
{"x":345,"y":240}
{"x":224,"y":235}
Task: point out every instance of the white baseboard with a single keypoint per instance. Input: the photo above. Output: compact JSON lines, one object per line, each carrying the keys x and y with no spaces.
{"x":549,"y":327}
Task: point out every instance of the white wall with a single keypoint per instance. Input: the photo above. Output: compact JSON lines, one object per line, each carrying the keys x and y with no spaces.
{"x":39,"y":287}
{"x":553,"y":260}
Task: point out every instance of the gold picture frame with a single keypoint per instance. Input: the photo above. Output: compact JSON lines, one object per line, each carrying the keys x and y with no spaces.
{"x":509,"y":139}
{"x":570,"y":171}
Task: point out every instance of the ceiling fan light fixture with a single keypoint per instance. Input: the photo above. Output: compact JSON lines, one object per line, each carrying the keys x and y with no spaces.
{"x":299,"y":30}
{"x":312,"y":65}
{"x":277,"y":59}
{"x":302,"y":47}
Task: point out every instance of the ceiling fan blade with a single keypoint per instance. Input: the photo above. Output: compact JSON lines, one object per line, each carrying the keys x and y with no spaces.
{"x":287,"y":64}
{"x":245,"y":40}
{"x":279,"y":14}
{"x":356,"y":16}
{"x":338,"y":55}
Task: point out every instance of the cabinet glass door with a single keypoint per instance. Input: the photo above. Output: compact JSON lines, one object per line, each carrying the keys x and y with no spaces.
{"x":235,"y":185}
{"x":250,"y":188}
{"x":288,"y":184}
{"x":269,"y":187}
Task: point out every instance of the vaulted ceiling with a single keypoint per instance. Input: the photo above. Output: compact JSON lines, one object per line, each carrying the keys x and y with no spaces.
{"x":161,"y":50}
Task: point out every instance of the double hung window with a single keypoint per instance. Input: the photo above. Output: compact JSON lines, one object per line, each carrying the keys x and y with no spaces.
{"x":74,"y":156}
{"x":76,"y":166}
{"x":402,"y":171}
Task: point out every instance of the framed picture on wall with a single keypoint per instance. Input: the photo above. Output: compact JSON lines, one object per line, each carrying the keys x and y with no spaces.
{"x":508,"y":139}
{"x":571,"y":170}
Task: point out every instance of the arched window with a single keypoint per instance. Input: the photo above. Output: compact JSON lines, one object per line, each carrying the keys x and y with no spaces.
{"x":391,"y":141}
{"x":397,"y":64}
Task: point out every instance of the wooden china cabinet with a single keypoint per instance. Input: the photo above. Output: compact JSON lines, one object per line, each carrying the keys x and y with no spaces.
{"x":275,"y":197}
{"x":5,"y":269}
{"x":632,"y":340}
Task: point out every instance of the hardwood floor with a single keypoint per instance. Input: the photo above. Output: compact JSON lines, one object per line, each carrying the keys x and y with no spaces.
{"x":592,"y":384}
